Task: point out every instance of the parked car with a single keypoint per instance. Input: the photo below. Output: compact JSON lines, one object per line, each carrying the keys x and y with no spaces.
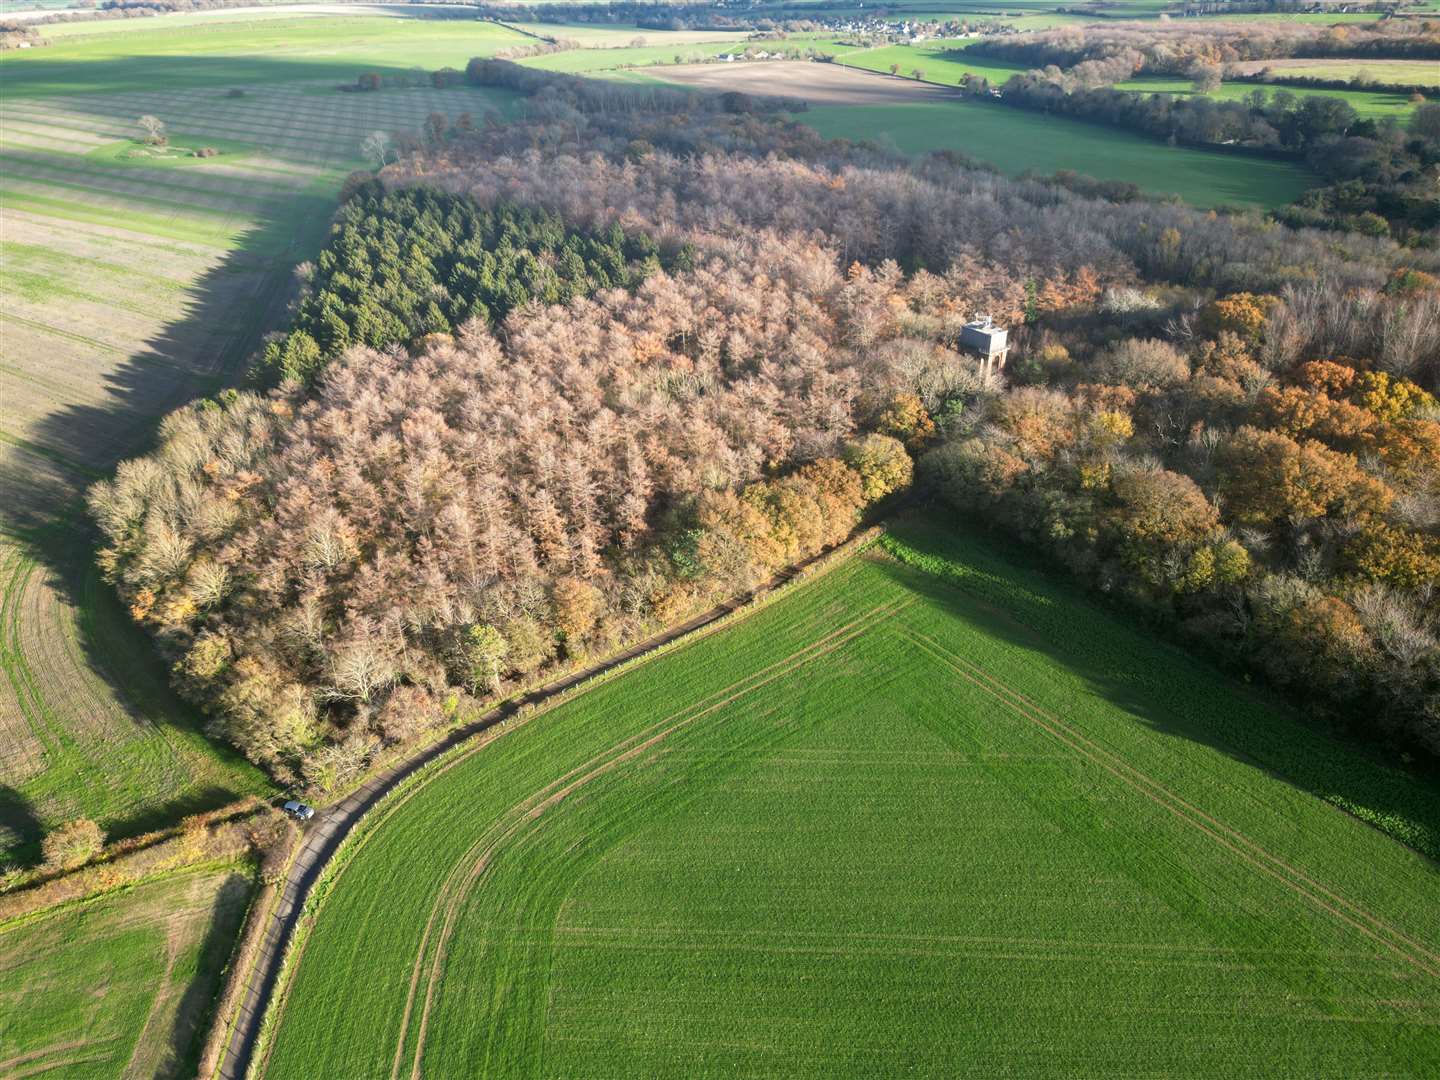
{"x":298,"y":810}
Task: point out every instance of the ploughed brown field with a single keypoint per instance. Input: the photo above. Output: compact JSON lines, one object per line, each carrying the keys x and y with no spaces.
{"x":819,"y":84}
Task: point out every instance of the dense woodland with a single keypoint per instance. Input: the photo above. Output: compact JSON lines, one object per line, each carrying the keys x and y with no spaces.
{"x":1221,"y":422}
{"x":401,"y":265}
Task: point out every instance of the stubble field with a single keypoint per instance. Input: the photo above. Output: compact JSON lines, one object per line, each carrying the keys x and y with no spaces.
{"x":885,"y":826}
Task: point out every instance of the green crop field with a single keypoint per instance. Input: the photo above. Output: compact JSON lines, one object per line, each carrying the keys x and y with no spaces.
{"x":1016,"y":140}
{"x":622,"y":35}
{"x":1371,"y":104}
{"x":121,"y":985}
{"x":589,"y":61}
{"x":903,"y":821}
{"x":129,"y":284}
{"x":941,"y":62}
{"x":264,"y":51}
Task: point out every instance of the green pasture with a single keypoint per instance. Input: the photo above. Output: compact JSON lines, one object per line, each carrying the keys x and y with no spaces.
{"x":1369,"y":104}
{"x":213,"y":18}
{"x":265,"y":51}
{"x":984,"y":14}
{"x":1017,"y":140}
{"x":587,"y":61}
{"x":951,"y":9}
{"x":941,"y":62}
{"x":903,"y":821}
{"x":122,"y":985}
{"x":620,"y":35}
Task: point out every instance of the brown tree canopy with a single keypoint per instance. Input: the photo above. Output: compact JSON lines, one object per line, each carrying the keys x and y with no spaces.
{"x":467,"y":514}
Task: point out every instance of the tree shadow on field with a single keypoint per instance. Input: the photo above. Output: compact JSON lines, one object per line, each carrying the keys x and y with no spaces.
{"x":192,"y":1017}
{"x":48,"y":462}
{"x":43,"y":480}
{"x":53,"y":72}
{"x":18,"y":818}
{"x":1157,"y":683}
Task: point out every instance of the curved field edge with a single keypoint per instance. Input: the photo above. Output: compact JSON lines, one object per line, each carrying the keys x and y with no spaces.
{"x":367,"y":824}
{"x":1397,"y":804}
{"x":1235,"y":862}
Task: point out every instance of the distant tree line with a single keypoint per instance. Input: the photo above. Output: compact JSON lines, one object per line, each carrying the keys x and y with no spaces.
{"x":1361,"y":80}
{"x":557,"y":91}
{"x":1175,"y":48}
{"x":1282,"y":121}
{"x":1384,"y":172}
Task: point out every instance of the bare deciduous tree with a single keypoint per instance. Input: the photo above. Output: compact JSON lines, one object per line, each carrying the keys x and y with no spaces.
{"x":154,"y":129}
{"x":377,"y":148}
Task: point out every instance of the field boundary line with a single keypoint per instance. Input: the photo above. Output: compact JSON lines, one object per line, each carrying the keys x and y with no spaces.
{"x":1238,"y":843}
{"x":331,"y":843}
{"x":603,"y":763}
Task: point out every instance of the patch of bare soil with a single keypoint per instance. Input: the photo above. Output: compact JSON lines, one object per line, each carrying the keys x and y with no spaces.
{"x":819,"y":84}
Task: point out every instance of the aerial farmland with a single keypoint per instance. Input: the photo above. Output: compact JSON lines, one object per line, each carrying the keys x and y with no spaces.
{"x":514,"y":562}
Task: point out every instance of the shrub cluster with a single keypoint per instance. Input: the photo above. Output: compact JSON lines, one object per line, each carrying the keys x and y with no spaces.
{"x":1175,"y":48}
{"x":89,"y":867}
